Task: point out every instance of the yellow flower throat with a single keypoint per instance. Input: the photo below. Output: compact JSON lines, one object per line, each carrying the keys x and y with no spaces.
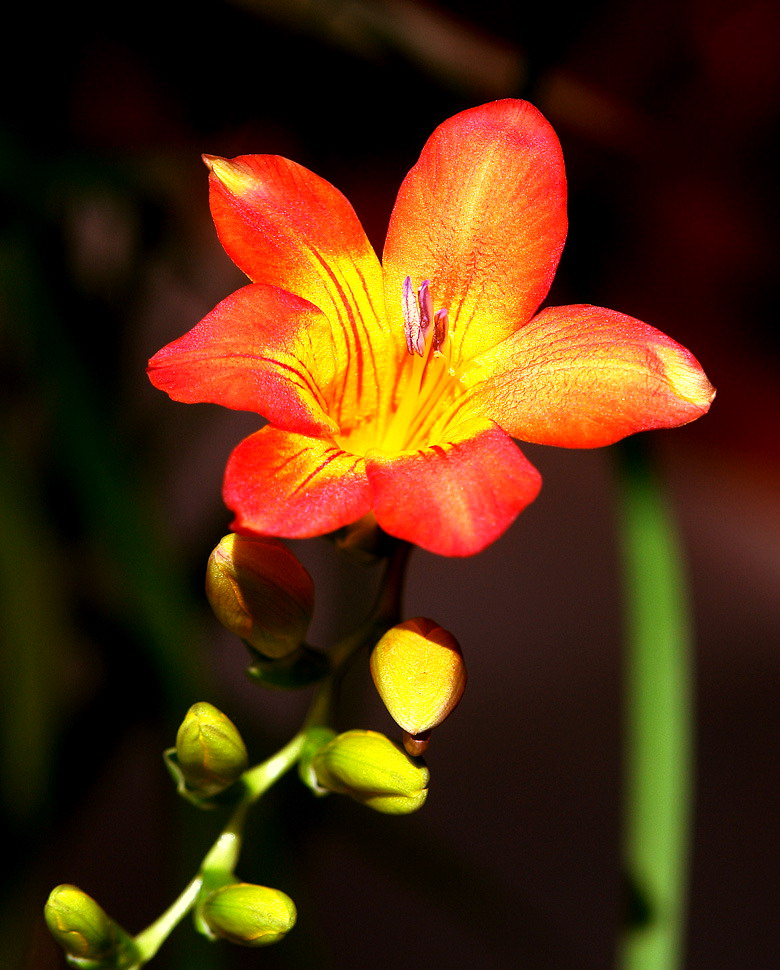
{"x":432,"y":381}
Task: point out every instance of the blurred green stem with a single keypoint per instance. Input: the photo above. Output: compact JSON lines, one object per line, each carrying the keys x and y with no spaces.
{"x":658,"y":721}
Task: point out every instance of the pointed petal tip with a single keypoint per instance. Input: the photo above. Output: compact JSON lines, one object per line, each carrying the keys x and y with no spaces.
{"x":156,"y":363}
{"x":686,"y":378}
{"x":233,"y":176}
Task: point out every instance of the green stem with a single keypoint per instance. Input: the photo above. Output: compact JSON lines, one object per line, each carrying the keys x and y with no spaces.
{"x":151,"y":939}
{"x":386,"y":611}
{"x":658,"y":766}
{"x":221,"y":859}
{"x":223,"y":855}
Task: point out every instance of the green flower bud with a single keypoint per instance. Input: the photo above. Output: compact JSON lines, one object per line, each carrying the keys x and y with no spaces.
{"x":259,"y":591}
{"x":89,"y":937}
{"x":249,"y":915}
{"x":420,"y":675}
{"x":210,"y":753}
{"x":373,"y":770}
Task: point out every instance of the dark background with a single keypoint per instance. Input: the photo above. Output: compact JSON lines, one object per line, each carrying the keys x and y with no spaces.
{"x":110,"y":493}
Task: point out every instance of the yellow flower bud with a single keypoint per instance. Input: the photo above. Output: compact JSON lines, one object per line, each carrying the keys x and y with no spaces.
{"x":420,"y":675}
{"x":373,"y":770}
{"x":85,"y":932}
{"x":210,"y":753}
{"x":260,"y":591}
{"x":249,"y":915}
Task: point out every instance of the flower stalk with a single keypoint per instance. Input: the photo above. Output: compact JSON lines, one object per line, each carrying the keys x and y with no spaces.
{"x":658,"y":722}
{"x":220,"y":861}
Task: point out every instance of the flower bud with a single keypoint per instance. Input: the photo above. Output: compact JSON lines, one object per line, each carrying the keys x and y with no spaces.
{"x":249,"y":915}
{"x":85,"y":932}
{"x":210,"y":753}
{"x":420,"y":675}
{"x":259,"y":591}
{"x":373,"y":770}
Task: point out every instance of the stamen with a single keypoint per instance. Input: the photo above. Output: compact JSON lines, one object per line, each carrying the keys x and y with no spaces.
{"x":426,"y":305}
{"x":418,"y":315}
{"x":440,"y":323}
{"x":429,"y":383}
{"x":412,"y":318}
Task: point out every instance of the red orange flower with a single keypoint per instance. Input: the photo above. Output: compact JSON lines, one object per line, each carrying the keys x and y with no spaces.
{"x":398,"y":388}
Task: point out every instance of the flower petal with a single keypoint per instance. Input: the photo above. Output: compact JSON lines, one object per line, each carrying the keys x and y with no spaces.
{"x":282,"y":224}
{"x":456,"y":497}
{"x":583,"y":376}
{"x":262,"y":349}
{"x":289,"y":485}
{"x":482,"y":215}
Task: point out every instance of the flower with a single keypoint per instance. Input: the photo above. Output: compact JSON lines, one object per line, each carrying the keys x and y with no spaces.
{"x":396,"y":389}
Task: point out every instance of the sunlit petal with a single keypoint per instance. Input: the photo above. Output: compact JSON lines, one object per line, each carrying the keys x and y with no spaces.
{"x":457,"y":496}
{"x":282,"y":224}
{"x":583,"y":376}
{"x":289,"y":485}
{"x":482,"y":215}
{"x":261,"y":349}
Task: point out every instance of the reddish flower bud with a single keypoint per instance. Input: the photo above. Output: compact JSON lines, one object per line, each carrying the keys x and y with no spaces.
{"x":259,"y":590}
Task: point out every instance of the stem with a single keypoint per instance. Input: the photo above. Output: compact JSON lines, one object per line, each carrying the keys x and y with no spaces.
{"x":222,"y":857}
{"x":385,"y":612}
{"x":151,"y":939}
{"x":658,"y":768}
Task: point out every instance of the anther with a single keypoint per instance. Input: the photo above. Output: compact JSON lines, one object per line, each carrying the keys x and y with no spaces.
{"x":419,"y":317}
{"x":426,"y":306}
{"x":440,"y":322}
{"x":412,"y":318}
